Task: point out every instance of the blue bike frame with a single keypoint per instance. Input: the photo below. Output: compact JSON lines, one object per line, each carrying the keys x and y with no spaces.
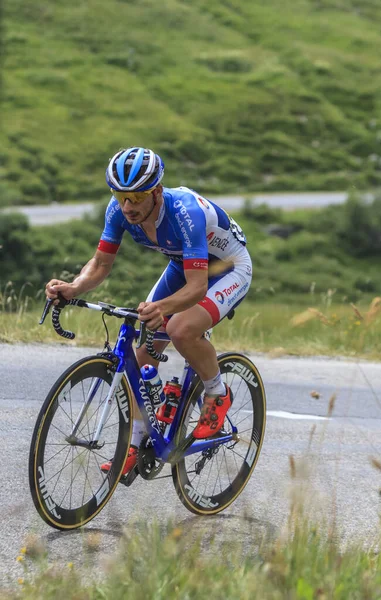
{"x":164,"y":443}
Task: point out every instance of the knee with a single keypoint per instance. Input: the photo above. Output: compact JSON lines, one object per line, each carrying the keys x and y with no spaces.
{"x":181,"y":333}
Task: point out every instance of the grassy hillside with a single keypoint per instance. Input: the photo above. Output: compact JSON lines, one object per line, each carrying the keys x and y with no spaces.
{"x":235,"y":95}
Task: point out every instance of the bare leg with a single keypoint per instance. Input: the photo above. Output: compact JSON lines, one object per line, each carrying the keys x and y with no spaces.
{"x":186,"y":330}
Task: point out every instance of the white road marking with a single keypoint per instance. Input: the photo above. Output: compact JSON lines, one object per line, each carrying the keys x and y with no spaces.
{"x":287,"y":415}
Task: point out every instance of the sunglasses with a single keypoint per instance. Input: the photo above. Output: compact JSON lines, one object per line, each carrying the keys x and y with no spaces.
{"x":133,"y":197}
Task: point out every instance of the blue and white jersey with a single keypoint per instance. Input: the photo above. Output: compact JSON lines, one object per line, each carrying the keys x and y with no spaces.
{"x":190,"y":230}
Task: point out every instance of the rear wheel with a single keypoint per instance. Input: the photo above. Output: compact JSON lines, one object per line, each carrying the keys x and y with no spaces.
{"x":68,"y":488}
{"x":210,"y":481}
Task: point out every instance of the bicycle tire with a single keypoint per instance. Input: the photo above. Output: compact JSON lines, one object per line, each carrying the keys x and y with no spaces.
{"x":54,"y":423}
{"x":235,"y":369}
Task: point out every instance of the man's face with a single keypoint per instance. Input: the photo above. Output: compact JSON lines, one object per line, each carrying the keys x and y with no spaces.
{"x":135,"y":212}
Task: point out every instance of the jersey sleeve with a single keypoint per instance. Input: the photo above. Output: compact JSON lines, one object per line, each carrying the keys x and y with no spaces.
{"x":190,"y":225}
{"x":113,"y":230}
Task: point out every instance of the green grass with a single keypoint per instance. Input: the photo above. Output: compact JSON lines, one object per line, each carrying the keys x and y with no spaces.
{"x":236,"y":96}
{"x":165,"y":563}
{"x":278,"y":329}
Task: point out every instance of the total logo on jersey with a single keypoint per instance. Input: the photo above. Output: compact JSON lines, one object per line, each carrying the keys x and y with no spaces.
{"x":216,"y":241}
{"x":219,"y":297}
{"x":183,"y":211}
{"x":230,"y":289}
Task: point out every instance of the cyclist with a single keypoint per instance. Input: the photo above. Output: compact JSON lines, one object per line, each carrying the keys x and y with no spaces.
{"x":208,"y":274}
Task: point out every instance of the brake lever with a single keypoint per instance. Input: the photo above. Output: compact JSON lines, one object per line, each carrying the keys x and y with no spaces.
{"x":46,"y":310}
{"x":62,"y":302}
{"x":142,"y":335}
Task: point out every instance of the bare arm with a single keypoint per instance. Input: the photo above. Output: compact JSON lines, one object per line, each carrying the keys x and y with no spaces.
{"x":91,"y":275}
{"x":193,"y":291}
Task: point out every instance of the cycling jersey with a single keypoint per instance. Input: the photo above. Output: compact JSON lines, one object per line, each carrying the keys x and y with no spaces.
{"x":190,"y":230}
{"x":194,"y":233}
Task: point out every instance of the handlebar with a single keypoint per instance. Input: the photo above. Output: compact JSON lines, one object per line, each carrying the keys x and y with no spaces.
{"x":145,"y":335}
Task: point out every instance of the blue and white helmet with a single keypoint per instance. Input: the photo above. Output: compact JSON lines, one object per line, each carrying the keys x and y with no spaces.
{"x":134,"y":170}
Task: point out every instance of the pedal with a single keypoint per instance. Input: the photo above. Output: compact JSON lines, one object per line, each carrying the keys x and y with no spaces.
{"x":128,"y":479}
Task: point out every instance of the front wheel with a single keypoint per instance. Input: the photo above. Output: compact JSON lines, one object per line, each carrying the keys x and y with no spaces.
{"x":67,"y":485}
{"x":210,"y":481}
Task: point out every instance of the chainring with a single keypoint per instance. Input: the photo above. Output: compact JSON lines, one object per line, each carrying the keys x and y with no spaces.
{"x":147,"y":462}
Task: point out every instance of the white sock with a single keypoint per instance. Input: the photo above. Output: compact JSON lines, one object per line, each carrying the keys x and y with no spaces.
{"x":215,"y":386}
{"x":138,"y":430}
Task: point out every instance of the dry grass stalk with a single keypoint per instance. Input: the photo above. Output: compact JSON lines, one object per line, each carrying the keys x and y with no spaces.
{"x":312,"y":433}
{"x":92,"y":542}
{"x":34,"y":546}
{"x":374,"y":310}
{"x":357,"y":312}
{"x":319,"y":315}
{"x":376,"y":463}
{"x":291,"y":460}
{"x":302,"y":318}
{"x":331,"y":405}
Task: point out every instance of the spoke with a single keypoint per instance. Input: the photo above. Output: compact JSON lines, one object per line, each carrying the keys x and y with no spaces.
{"x":222,"y":460}
{"x":242,"y":405}
{"x":235,"y":460}
{"x":234,"y":377}
{"x":64,"y":467}
{"x":72,"y":450}
{"x":244,"y":431}
{"x":210,"y":470}
{"x":218,"y":477}
{"x":60,"y":473}
{"x":90,"y":437}
{"x":194,"y":477}
{"x":56,"y":454}
{"x":101,"y":403}
{"x":242,"y":420}
{"x":83,"y":390}
{"x":227,"y":468}
{"x":112,"y":425}
{"x":237,"y":453}
{"x":108,"y":418}
{"x":197,"y":474}
{"x":194,"y":462}
{"x":58,"y":429}
{"x":72,"y":422}
{"x":72,"y":464}
{"x":101,"y":456}
{"x":239,"y":387}
{"x":72,"y":481}
{"x":87,"y":478}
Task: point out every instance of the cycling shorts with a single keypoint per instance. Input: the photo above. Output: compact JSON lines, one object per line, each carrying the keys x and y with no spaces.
{"x":225,"y":290}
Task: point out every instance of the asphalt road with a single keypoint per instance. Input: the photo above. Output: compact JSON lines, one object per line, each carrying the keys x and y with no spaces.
{"x":333,"y":470}
{"x":60,"y":213}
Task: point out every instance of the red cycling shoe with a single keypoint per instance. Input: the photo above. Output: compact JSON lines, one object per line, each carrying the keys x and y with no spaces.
{"x":128,"y":465}
{"x":213,"y":413}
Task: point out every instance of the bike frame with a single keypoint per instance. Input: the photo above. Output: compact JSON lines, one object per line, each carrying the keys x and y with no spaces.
{"x":164,"y":443}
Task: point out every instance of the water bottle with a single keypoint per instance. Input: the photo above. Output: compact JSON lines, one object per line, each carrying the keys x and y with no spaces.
{"x":172,"y":391}
{"x":153,"y":384}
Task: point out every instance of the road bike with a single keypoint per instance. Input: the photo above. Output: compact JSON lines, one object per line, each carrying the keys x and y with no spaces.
{"x":87,"y":416}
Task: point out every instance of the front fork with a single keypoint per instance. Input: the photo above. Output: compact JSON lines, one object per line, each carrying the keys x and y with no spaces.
{"x":72,"y":438}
